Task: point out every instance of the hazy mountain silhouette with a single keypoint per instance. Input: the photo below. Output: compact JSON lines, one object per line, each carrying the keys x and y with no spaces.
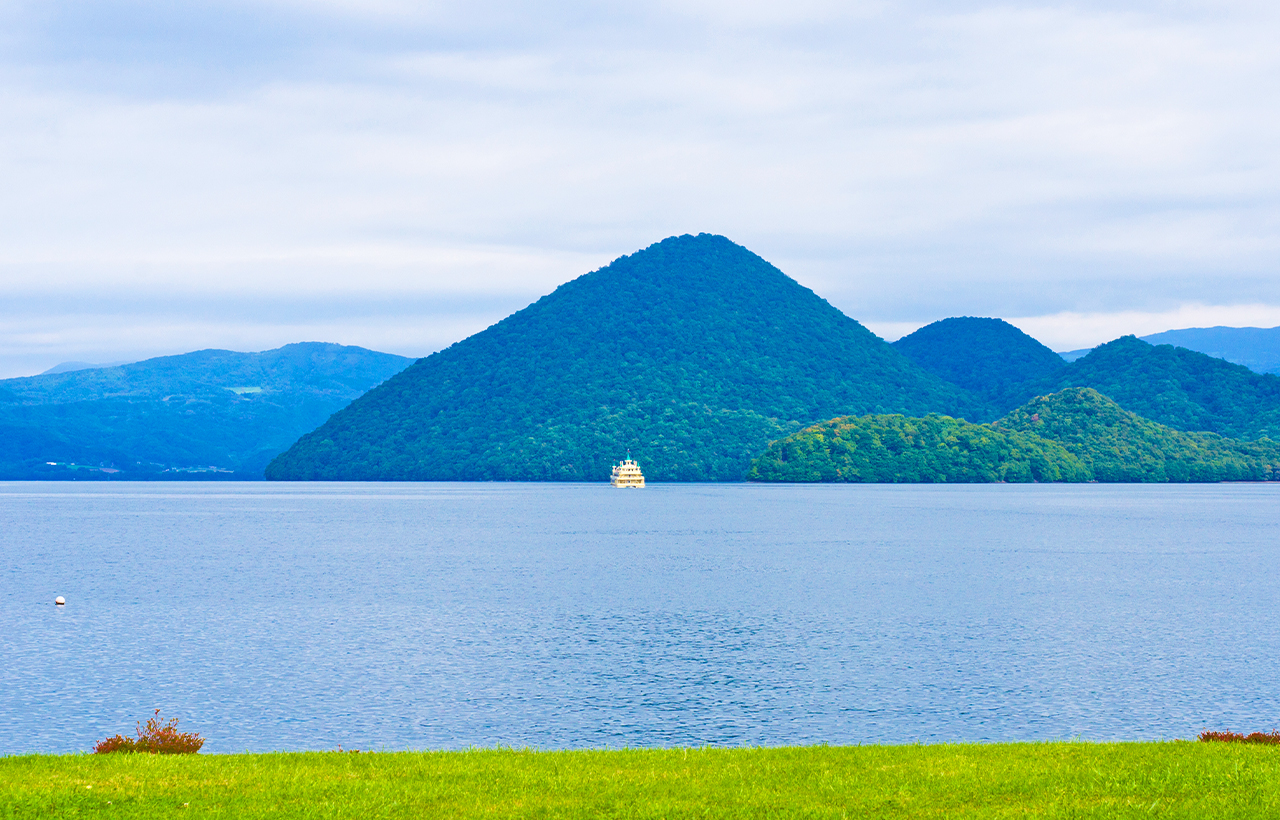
{"x":207,"y":409}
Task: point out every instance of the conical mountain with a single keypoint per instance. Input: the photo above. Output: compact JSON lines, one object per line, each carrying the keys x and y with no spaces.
{"x":693,"y":354}
{"x":988,"y":356}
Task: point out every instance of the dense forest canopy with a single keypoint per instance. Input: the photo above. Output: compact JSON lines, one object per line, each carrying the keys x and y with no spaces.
{"x":693,"y":354}
{"x":1074,"y":435}
{"x":894,"y":449}
{"x":1118,"y":445}
{"x":988,"y":356}
{"x":1176,"y":387}
{"x":1180,"y":388}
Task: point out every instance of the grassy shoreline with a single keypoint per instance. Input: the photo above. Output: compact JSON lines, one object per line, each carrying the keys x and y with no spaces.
{"x":1169,"y":779}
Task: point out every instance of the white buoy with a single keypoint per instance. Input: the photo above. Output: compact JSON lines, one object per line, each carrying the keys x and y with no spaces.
{"x":60,"y":601}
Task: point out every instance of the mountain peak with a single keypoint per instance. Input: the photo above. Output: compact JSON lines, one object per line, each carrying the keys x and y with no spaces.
{"x":693,"y":353}
{"x":989,"y":356}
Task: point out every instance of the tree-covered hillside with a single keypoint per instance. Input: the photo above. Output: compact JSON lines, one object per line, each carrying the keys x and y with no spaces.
{"x":1073,"y":435}
{"x":894,"y":449}
{"x":988,"y":356}
{"x":179,"y":416}
{"x":1118,"y":445}
{"x":1176,"y":387}
{"x":693,"y":354}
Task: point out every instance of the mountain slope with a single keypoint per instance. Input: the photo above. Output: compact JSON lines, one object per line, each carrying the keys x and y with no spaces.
{"x":212,"y":408}
{"x":899,"y":450}
{"x":1076,"y":434}
{"x":988,"y":356}
{"x":1118,"y":445}
{"x":1176,"y":387}
{"x":692,"y":353}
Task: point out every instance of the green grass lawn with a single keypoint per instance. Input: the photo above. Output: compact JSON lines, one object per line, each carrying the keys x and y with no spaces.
{"x":1179,"y":779}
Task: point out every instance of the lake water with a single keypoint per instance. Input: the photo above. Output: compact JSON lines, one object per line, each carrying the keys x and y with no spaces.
{"x":413,"y":616}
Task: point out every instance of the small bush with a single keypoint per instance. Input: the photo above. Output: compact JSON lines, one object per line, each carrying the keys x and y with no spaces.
{"x":119,"y":743}
{"x":1269,"y":738}
{"x":157,"y":739}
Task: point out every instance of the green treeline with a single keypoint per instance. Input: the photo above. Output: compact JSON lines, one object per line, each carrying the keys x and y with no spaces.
{"x":1118,"y":445}
{"x":1073,"y":435}
{"x":896,"y":449}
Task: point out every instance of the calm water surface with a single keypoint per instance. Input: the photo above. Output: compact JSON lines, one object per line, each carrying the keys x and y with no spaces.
{"x":304,"y":616}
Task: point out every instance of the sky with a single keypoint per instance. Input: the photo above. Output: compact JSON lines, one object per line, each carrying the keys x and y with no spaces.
{"x":399,"y":175}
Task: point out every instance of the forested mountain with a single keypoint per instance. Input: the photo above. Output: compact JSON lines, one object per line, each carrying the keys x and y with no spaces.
{"x":1257,"y":348}
{"x":894,"y":449}
{"x":1118,"y":445}
{"x":693,"y":354}
{"x":210,"y":414}
{"x":1171,"y":385}
{"x":988,"y":356}
{"x":1176,"y":387}
{"x":1074,"y":435}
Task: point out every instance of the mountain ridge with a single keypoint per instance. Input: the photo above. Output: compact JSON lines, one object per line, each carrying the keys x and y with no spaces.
{"x":1074,"y":435}
{"x":1176,"y":387}
{"x":208,"y":413}
{"x":1257,"y":348}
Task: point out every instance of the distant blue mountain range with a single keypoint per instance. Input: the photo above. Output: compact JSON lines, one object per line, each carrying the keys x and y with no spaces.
{"x":1257,"y":348}
{"x":207,"y":414}
{"x":71,"y":367}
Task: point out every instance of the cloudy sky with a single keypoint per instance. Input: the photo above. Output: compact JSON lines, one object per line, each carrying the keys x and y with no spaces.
{"x":398,"y":175}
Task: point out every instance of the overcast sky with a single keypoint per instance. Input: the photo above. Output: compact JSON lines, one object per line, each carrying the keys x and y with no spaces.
{"x":398,"y":175}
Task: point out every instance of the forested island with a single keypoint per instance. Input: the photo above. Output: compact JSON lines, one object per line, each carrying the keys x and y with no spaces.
{"x":1076,"y":434}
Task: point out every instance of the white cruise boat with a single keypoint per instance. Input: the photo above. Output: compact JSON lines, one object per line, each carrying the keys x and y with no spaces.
{"x":627,"y":474}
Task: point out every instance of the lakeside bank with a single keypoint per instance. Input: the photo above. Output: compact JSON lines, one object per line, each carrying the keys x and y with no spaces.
{"x":1061,"y":779}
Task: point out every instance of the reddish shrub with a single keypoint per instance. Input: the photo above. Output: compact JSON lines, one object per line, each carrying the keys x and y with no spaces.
{"x":119,"y":743}
{"x":157,"y":739}
{"x":1269,"y":738}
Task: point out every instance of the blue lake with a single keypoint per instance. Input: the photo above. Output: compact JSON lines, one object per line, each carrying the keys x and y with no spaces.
{"x":304,"y":616}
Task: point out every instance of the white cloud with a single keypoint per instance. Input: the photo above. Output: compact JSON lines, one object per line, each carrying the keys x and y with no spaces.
{"x":1076,"y":331}
{"x":33,"y":345}
{"x":909,"y":161}
{"x":1070,"y":330}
